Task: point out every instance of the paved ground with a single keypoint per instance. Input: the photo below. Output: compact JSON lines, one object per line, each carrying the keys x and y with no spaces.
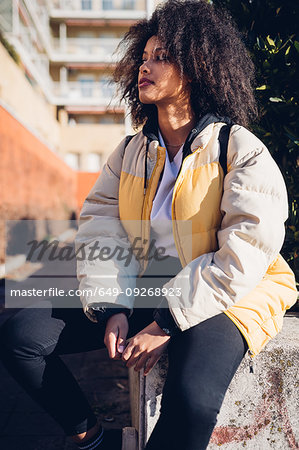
{"x":24,"y":426}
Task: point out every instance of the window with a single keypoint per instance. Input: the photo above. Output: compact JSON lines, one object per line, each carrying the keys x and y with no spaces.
{"x":86,"y":4}
{"x":93,"y":162}
{"x":88,"y":119}
{"x":72,"y":160}
{"x":109,"y":119}
{"x":86,"y":87}
{"x":107,"y":4}
{"x":107,"y":87}
{"x":106,"y":120}
{"x":128,"y":4}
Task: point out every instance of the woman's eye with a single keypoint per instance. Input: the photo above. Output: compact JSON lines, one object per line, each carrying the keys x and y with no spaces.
{"x":162,"y":57}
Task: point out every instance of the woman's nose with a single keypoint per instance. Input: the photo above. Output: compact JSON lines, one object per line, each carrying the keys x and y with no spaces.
{"x":144,"y":67}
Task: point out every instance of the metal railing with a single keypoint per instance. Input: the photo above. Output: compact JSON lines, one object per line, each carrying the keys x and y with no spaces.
{"x":96,"y":5}
{"x":102,"y":48}
{"x":89,"y":92}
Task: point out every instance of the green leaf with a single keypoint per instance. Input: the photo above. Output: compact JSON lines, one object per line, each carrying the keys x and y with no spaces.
{"x":296,"y":44}
{"x":275,"y":99}
{"x":270,"y":42}
{"x":288,"y":50}
{"x":261,"y":88}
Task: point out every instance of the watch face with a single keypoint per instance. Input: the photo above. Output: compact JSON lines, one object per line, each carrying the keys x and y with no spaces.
{"x":99,"y":308}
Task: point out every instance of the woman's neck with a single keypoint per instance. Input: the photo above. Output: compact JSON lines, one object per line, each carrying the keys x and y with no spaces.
{"x":175,"y":124}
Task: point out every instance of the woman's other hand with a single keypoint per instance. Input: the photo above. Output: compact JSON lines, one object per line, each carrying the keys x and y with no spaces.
{"x":115,"y":335}
{"x":146,"y":348}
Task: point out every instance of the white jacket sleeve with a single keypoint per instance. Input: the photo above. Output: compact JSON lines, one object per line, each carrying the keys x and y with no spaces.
{"x":106,"y":267}
{"x":254,"y":207}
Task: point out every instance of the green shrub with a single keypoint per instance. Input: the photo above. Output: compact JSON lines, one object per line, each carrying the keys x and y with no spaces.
{"x":269,"y":28}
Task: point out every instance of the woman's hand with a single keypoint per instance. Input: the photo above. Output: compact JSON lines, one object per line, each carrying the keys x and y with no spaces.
{"x":146,"y":347}
{"x":115,"y":335}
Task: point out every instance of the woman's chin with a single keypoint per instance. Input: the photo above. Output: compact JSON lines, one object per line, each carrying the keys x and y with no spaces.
{"x":146,"y":101}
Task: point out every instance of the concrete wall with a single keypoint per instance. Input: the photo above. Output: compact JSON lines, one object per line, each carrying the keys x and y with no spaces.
{"x":260,"y":409}
{"x":35,"y":182}
{"x":85,"y":181}
{"x":85,"y":139}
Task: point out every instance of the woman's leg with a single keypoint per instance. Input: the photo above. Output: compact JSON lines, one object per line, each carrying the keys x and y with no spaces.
{"x":31,"y":342}
{"x":202,"y":363}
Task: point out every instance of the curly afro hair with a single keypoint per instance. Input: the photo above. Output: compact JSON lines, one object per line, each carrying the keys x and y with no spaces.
{"x":207,"y":48}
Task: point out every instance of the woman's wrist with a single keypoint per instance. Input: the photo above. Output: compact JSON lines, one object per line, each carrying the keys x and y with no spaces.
{"x":159,"y":329}
{"x":103,"y":313}
{"x":164,"y":319}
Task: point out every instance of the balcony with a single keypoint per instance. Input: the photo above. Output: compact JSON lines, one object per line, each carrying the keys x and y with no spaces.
{"x":35,"y":61}
{"x":84,"y":50}
{"x":85,"y":93}
{"x":97,"y":9}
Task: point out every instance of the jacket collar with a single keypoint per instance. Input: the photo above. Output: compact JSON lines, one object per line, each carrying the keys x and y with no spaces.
{"x":197,"y":137}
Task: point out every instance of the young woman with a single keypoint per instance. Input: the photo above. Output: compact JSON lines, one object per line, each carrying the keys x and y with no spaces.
{"x":201,"y":187}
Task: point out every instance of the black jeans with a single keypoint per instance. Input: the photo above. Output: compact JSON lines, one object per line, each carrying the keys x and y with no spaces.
{"x":202,"y":362}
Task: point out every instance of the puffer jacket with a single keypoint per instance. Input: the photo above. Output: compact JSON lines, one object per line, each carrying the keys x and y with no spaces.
{"x":228,"y":230}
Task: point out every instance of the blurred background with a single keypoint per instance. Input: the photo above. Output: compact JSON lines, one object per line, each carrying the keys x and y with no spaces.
{"x":59,"y":113}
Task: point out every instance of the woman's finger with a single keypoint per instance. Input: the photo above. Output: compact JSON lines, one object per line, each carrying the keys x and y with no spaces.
{"x":133,"y":358}
{"x":141,"y":362}
{"x":111,"y":343}
{"x":150,"y":363}
{"x":121,"y":340}
{"x":127,"y":353}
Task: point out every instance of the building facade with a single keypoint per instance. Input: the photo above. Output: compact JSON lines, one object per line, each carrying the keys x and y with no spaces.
{"x":67,"y":50}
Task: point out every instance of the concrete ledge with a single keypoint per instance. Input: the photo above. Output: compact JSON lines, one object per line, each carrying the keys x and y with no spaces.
{"x":260,"y":409}
{"x":129,"y":439}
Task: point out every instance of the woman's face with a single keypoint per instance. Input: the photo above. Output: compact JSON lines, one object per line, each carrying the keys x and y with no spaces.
{"x":159,"y":80}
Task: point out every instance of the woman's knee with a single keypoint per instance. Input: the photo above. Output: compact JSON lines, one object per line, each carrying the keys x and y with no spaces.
{"x":191,"y":402}
{"x":19,"y":335}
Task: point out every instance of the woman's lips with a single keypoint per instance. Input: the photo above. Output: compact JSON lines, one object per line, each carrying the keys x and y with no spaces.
{"x":144,"y":83}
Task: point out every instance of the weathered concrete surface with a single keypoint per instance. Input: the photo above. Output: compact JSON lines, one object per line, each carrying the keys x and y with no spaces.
{"x":260,"y":409}
{"x":129,"y":439}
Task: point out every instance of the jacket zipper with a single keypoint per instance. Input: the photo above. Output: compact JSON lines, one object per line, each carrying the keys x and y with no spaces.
{"x":146,"y":193}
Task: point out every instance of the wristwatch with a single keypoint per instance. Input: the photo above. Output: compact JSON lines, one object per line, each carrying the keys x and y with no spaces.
{"x":103,"y":312}
{"x":164,"y":319}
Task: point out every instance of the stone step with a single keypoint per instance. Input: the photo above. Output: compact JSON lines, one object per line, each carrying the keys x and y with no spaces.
{"x":260,"y":410}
